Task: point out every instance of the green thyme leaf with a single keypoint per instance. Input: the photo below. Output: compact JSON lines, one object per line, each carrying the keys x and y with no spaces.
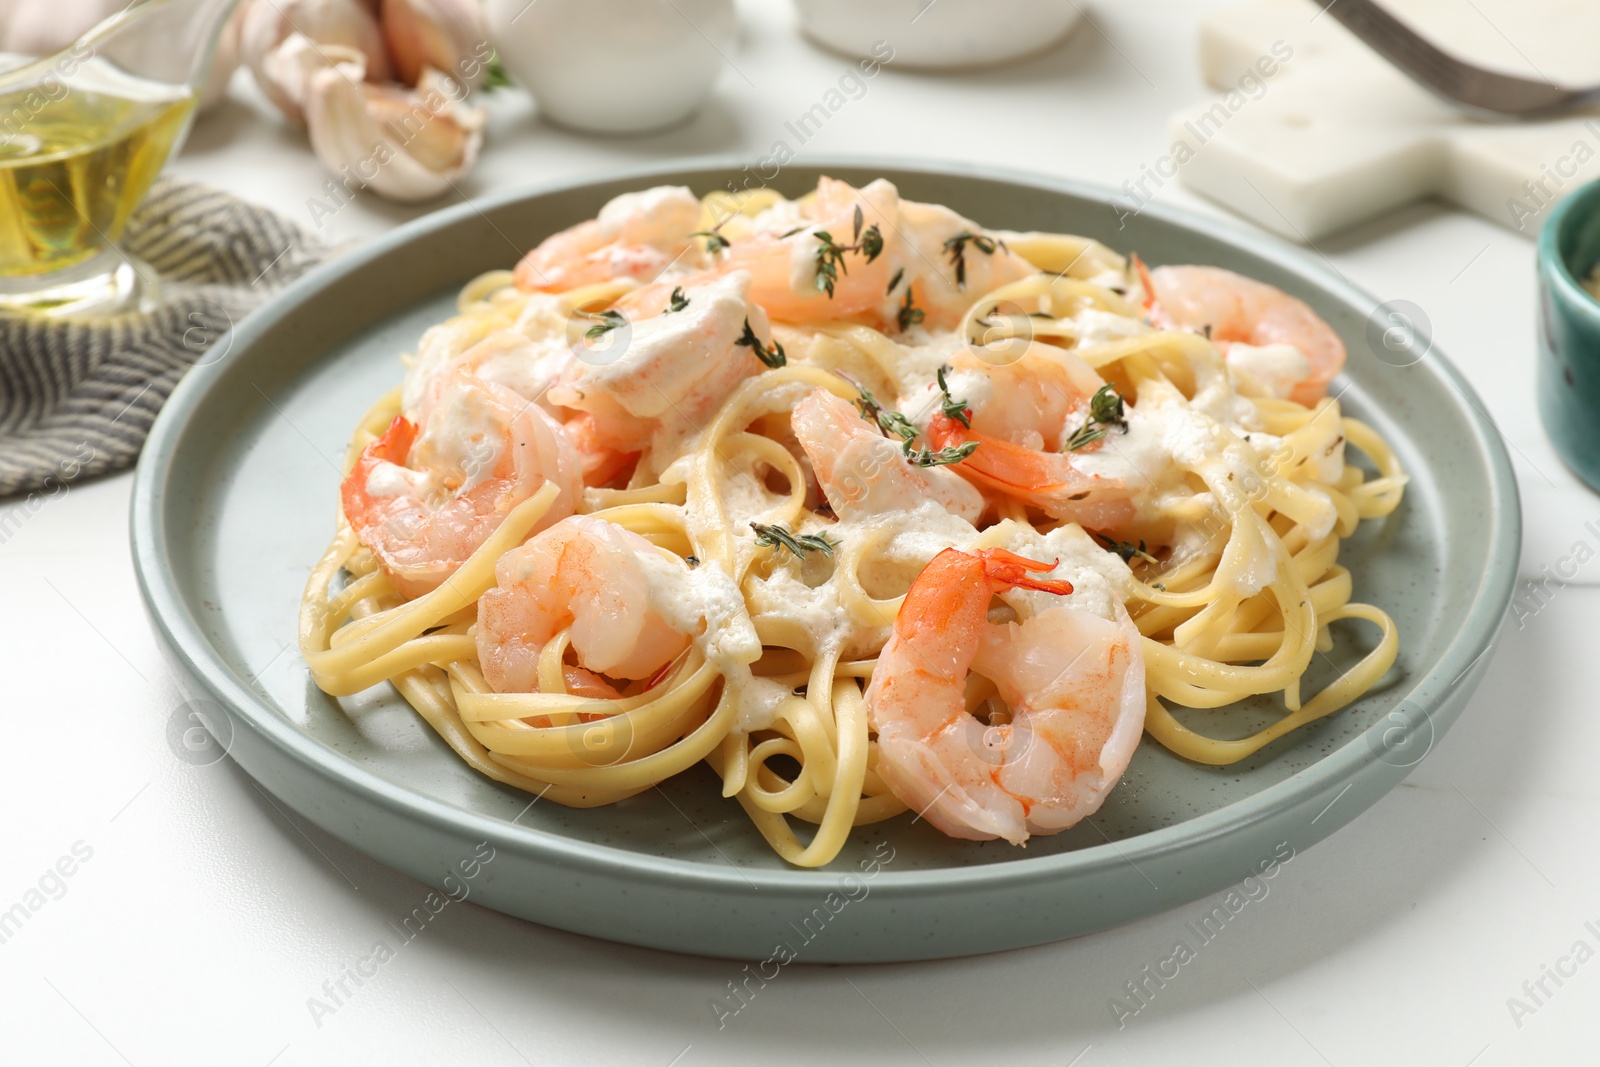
{"x":1106,"y":407}
{"x":951,"y":407}
{"x":773,"y":357}
{"x":1086,"y":434}
{"x":956,"y":248}
{"x":909,"y":314}
{"x":871,"y":243}
{"x":495,"y":77}
{"x":715,"y":242}
{"x":609,"y":320}
{"x":777,"y":537}
{"x":890,"y":422}
{"x":677,"y":301}
{"x":1127,"y":551}
{"x":829,"y":254}
{"x":923,"y":457}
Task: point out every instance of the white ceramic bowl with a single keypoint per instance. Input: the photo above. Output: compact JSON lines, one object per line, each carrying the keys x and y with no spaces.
{"x":938,"y":33}
{"x":614,"y":66}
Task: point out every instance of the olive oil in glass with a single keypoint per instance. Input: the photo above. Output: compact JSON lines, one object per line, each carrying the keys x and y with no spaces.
{"x":73,"y":169}
{"x":83,"y":134}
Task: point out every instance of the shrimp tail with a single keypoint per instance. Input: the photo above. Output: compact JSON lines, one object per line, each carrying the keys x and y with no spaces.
{"x":1011,"y":570}
{"x":1145,"y":281}
{"x":394,"y":444}
{"x":391,"y":446}
{"x":1044,"y":479}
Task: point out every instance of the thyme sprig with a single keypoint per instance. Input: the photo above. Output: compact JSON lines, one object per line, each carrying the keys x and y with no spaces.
{"x":909,"y":314}
{"x":609,"y":320}
{"x":950,"y":406}
{"x":830,"y":254}
{"x":773,"y":357}
{"x":715,"y":242}
{"x":890,"y":422}
{"x":923,"y":457}
{"x":1105,"y":410}
{"x":1127,"y":551}
{"x":677,"y":302}
{"x":956,"y":248}
{"x":776,"y":536}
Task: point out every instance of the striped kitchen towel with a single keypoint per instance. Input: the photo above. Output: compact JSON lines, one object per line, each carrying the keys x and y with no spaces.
{"x":77,"y":396}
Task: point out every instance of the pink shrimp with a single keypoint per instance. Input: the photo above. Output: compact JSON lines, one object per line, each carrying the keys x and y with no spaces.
{"x":1022,"y":428}
{"x":1240,"y":310}
{"x":950,"y":262}
{"x":787,"y":266}
{"x":424,"y":501}
{"x":862,"y":472}
{"x":593,"y":577}
{"x":1074,"y":683}
{"x":637,"y":235}
{"x":664,"y":370}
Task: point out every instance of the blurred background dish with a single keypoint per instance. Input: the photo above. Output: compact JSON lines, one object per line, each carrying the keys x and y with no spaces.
{"x":614,"y":66}
{"x":1569,"y":331}
{"x":939,"y":33}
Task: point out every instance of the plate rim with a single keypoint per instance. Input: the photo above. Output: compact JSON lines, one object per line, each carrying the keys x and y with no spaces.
{"x":182,"y":635}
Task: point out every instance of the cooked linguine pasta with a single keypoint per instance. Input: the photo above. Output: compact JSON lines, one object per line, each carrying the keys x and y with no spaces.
{"x":864,"y":507}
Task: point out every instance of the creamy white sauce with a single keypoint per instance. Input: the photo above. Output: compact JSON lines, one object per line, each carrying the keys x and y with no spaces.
{"x":463,"y":435}
{"x":667,"y":359}
{"x":1095,"y":326}
{"x":1100,"y":579}
{"x":704,"y":602}
{"x":390,"y":480}
{"x":659,"y":216}
{"x":1266,"y":370}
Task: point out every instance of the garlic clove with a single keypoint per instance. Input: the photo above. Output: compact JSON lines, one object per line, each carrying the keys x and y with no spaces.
{"x":40,"y":27}
{"x":224,"y":60}
{"x":402,"y":144}
{"x":448,"y":35}
{"x":290,"y":66}
{"x":270,"y":28}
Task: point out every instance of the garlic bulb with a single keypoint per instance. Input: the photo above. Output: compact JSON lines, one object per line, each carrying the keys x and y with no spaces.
{"x":446,"y":35}
{"x":40,"y":27}
{"x":402,"y":144}
{"x":277,"y":34}
{"x":225,"y":60}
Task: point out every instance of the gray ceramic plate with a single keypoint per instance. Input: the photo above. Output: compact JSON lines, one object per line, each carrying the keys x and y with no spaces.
{"x":235,"y":499}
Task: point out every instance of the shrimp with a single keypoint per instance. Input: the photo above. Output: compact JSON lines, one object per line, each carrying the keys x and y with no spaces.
{"x":637,"y":235}
{"x":1074,"y":682}
{"x":533,"y":349}
{"x":668,"y":370}
{"x":861,"y":472}
{"x":1243,"y":311}
{"x":1021,"y":427}
{"x":424,"y":501}
{"x":950,"y":262}
{"x":600,"y":580}
{"x":506,"y":358}
{"x":1035,"y":401}
{"x":783,"y":259}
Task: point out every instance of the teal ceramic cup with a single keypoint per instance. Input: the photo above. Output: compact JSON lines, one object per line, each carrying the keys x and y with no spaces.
{"x":1569,"y":332}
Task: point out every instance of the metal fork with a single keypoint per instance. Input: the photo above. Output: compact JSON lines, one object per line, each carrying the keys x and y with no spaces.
{"x":1484,"y":92}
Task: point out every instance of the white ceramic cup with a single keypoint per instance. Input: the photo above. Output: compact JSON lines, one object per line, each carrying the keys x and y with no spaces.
{"x":939,"y":33}
{"x":614,"y":66}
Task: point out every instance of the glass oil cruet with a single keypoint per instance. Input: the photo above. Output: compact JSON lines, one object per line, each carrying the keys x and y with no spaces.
{"x":83,"y":134}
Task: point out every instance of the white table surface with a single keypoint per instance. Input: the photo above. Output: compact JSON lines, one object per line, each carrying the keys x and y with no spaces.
{"x":205,"y":917}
